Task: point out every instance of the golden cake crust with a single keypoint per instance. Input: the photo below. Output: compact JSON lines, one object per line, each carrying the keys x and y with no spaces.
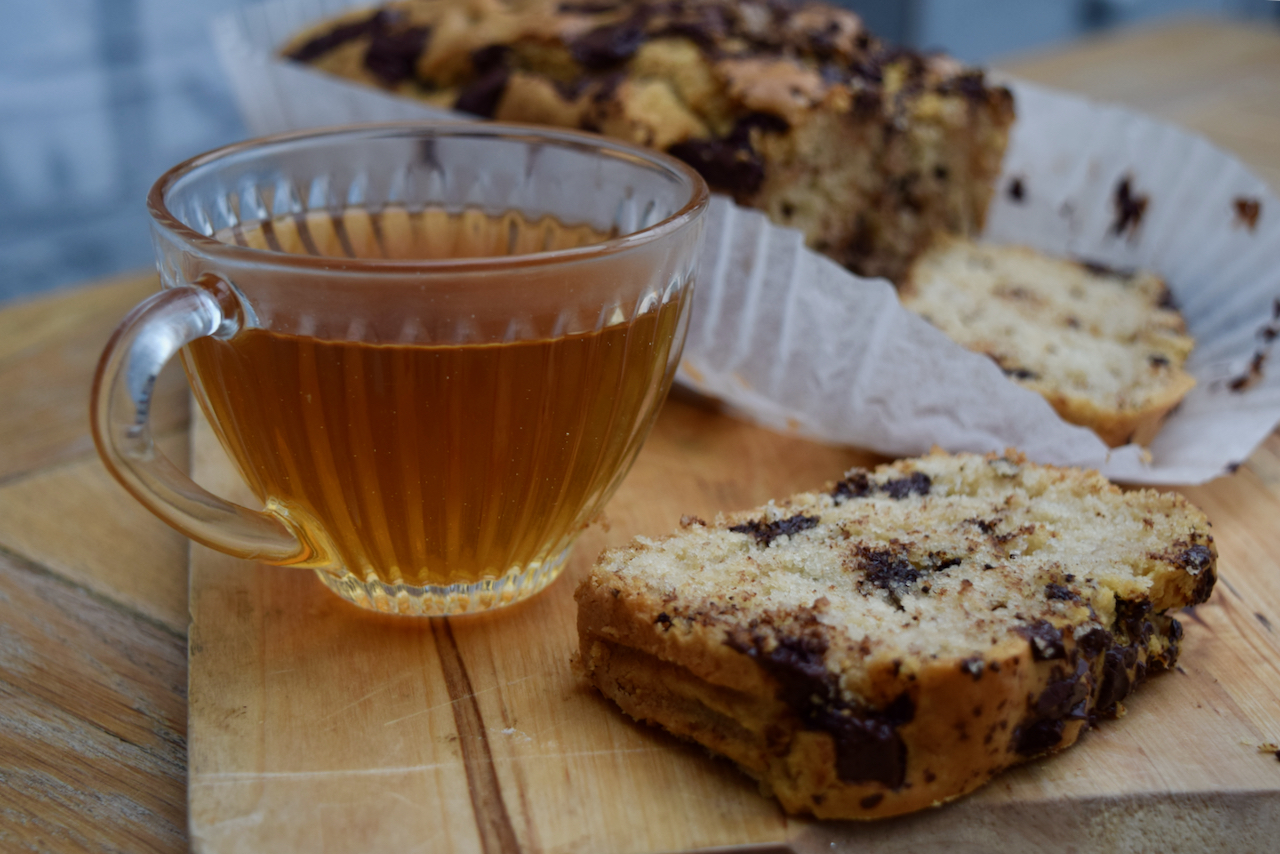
{"x":792,"y":108}
{"x":845,"y":648}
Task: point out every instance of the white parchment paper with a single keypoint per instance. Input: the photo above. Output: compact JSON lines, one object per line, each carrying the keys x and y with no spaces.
{"x":792,"y":340}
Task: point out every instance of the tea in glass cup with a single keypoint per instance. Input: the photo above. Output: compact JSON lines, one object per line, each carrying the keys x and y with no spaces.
{"x":432,"y":351}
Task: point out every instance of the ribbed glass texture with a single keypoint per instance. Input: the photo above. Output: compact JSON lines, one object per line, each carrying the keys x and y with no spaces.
{"x":447,"y":346}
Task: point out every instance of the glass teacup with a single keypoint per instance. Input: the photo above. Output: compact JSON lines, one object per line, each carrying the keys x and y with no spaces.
{"x":432,"y":350}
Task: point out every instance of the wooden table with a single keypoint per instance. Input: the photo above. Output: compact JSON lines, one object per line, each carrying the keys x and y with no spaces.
{"x":93,"y":590}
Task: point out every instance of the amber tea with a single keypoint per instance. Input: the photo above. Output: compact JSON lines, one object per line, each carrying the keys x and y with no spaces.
{"x":425,"y":463}
{"x":432,"y":350}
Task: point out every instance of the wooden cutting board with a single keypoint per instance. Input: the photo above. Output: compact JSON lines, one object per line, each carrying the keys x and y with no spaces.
{"x":315,"y":726}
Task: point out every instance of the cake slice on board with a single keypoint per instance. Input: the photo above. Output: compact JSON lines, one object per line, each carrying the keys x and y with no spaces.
{"x":893,"y":642}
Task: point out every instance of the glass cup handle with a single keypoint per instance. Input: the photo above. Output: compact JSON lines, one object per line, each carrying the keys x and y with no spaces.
{"x":146,"y":339}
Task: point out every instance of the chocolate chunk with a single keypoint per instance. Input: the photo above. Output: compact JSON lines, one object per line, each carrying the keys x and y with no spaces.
{"x":1064,"y":696}
{"x":1247,"y":211}
{"x":872,"y":801}
{"x":973,"y":666}
{"x":868,"y":746}
{"x":392,"y":57}
{"x":889,"y":572}
{"x":765,"y":122}
{"x":588,"y":8}
{"x":704,"y":25}
{"x":1094,"y":642}
{"x":767,"y":532}
{"x":607,"y":46}
{"x":1017,"y":191}
{"x":916,"y":483}
{"x":971,"y":84}
{"x":726,"y":167}
{"x":486,"y":58}
{"x":1114,"y":685}
{"x":663,"y":620}
{"x":1158,"y":361}
{"x":1037,"y":737}
{"x":1057,"y":591}
{"x":1131,"y":615}
{"x":326,"y":42}
{"x":1046,"y":641}
{"x":1195,"y":559}
{"x":731,"y":164}
{"x":606,"y":85}
{"x":571,"y":89}
{"x":481,"y":96}
{"x":1129,"y":207}
{"x":855,"y":485}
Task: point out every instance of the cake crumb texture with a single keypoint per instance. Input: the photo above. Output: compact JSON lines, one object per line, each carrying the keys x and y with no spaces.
{"x":895,"y":640}
{"x":1106,"y":348}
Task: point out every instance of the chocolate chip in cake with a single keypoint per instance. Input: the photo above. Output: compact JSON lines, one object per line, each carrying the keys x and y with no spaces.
{"x":1094,"y":642}
{"x":322,"y":44}
{"x":1037,"y":737}
{"x":482,"y":95}
{"x":916,"y":483}
{"x":868,"y":102}
{"x":1046,"y":641}
{"x":854,"y":485}
{"x":607,"y":46}
{"x":888,"y":571}
{"x":973,"y":666}
{"x":868,"y":746}
{"x":1114,"y":685}
{"x":588,"y":8}
{"x":726,"y":167}
{"x":1064,"y":697}
{"x":392,"y":57}
{"x":1057,"y":591}
{"x":766,"y":532}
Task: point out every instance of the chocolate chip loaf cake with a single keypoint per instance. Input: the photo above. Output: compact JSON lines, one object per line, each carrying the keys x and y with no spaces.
{"x":893,"y":642}
{"x":1106,"y":349}
{"x":792,"y":108}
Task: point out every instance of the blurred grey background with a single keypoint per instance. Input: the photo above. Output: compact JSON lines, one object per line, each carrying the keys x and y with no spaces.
{"x":98,"y":97}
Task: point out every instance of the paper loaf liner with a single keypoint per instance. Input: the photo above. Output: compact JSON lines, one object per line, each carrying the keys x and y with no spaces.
{"x":791,"y":340}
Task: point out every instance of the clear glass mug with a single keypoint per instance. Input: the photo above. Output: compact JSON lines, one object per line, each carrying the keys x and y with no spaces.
{"x":432,"y":350}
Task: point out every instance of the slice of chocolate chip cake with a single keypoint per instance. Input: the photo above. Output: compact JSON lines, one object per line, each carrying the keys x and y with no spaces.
{"x":895,"y":641}
{"x":1105,"y":348}
{"x":792,"y":108}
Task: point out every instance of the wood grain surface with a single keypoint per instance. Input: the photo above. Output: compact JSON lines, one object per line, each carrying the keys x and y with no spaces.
{"x":94,"y":617}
